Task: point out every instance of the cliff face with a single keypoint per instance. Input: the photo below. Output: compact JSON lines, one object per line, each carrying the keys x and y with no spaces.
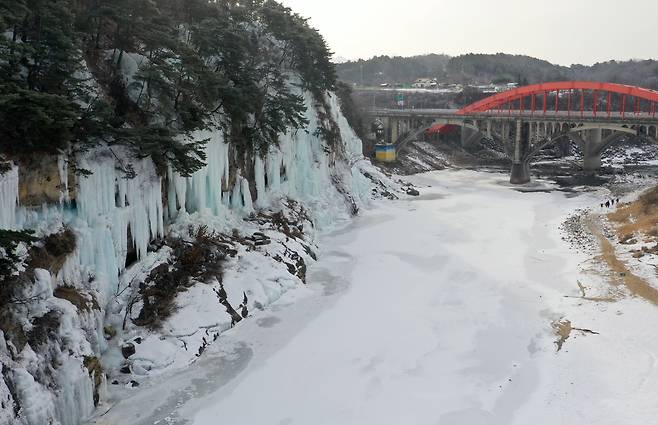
{"x":82,"y":305}
{"x":163,"y":174}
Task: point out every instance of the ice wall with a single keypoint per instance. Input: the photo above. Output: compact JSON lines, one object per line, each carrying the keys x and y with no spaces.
{"x":301,"y":168}
{"x":110,"y":205}
{"x":203,"y":191}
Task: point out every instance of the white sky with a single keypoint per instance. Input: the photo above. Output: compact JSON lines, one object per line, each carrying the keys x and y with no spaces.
{"x":560,"y":31}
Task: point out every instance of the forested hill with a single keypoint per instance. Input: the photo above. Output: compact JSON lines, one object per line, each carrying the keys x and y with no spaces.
{"x":481,"y":68}
{"x":385,"y":69}
{"x":146,"y":73}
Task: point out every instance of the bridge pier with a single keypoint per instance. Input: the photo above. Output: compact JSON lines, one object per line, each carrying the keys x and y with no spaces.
{"x":469,"y":137}
{"x":395,"y":130}
{"x":520,"y":173}
{"x":591,"y":150}
{"x":592,"y":163}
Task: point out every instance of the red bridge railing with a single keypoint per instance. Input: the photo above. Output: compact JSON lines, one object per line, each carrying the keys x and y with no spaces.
{"x":572,"y":97}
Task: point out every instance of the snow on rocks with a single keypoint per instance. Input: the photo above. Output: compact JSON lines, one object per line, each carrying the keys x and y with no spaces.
{"x":49,"y":381}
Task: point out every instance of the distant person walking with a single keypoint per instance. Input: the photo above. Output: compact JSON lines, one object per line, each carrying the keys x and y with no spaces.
{"x":607,"y":204}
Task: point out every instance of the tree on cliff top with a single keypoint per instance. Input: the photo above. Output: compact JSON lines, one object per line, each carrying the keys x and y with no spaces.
{"x":39,"y":63}
{"x":202,"y":64}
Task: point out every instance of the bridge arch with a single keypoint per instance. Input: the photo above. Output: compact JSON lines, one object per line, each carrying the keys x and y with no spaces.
{"x":425,"y":127}
{"x":617,"y":134}
{"x":610,"y":127}
{"x":510,"y":96}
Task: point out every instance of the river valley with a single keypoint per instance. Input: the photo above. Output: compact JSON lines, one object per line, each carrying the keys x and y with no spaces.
{"x":464,"y":305}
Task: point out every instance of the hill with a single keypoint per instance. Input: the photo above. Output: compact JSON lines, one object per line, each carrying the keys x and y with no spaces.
{"x":486,"y":68}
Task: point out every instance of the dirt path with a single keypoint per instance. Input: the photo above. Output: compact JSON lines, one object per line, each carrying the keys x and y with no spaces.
{"x":635,"y":284}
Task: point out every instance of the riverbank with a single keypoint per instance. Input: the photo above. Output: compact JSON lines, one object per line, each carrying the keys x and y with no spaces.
{"x":442,"y":309}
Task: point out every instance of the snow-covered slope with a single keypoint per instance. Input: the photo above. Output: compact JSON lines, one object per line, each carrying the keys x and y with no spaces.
{"x":75,"y":321}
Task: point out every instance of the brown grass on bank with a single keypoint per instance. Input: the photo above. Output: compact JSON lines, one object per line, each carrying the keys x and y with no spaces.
{"x":637,"y":218}
{"x":635,"y":284}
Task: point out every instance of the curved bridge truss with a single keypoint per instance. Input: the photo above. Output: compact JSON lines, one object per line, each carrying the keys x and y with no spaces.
{"x":572,"y":97}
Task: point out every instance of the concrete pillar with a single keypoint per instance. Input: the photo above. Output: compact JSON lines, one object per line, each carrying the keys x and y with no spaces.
{"x":469,"y":137}
{"x":395,"y":133}
{"x":504,"y":132}
{"x":517,"y":143}
{"x":387,"y":127}
{"x":591,"y":153}
{"x":520,"y":173}
{"x":592,"y":163}
{"x":504,"y":135}
{"x":489,"y":129}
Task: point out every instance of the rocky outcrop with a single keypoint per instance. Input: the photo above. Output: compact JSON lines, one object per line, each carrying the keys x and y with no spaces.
{"x":43,"y":179}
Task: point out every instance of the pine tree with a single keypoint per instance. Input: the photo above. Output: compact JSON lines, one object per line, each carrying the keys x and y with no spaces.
{"x":204,"y":64}
{"x":39,"y":69}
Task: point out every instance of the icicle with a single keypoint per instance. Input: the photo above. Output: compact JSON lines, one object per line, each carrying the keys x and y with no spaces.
{"x":236,"y":195}
{"x":246,"y":197}
{"x":353,"y":145}
{"x":8,"y":198}
{"x":259,"y":175}
{"x":144,"y":197}
{"x":97,"y":191}
{"x":274,"y":170}
{"x":63,"y":167}
{"x":203,"y":191}
{"x":177,"y":193}
{"x":110,"y":204}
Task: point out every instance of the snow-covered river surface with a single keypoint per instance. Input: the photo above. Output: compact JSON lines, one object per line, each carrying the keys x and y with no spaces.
{"x":434,"y":310}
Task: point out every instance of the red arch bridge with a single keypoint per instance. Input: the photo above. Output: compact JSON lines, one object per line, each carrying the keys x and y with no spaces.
{"x":527,"y":119}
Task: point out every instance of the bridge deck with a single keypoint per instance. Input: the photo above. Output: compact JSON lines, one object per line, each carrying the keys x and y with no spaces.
{"x":451,"y":115}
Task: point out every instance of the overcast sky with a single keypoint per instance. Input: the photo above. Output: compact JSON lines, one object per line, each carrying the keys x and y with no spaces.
{"x":560,"y":31}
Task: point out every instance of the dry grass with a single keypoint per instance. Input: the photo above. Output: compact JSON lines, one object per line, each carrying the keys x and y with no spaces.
{"x":85,"y":302}
{"x":634,"y":283}
{"x":52,"y":255}
{"x":563,"y":330}
{"x":639,"y":218}
{"x":197,"y":260}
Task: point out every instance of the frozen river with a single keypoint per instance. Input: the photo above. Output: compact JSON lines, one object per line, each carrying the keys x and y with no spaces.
{"x":435,"y":310}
